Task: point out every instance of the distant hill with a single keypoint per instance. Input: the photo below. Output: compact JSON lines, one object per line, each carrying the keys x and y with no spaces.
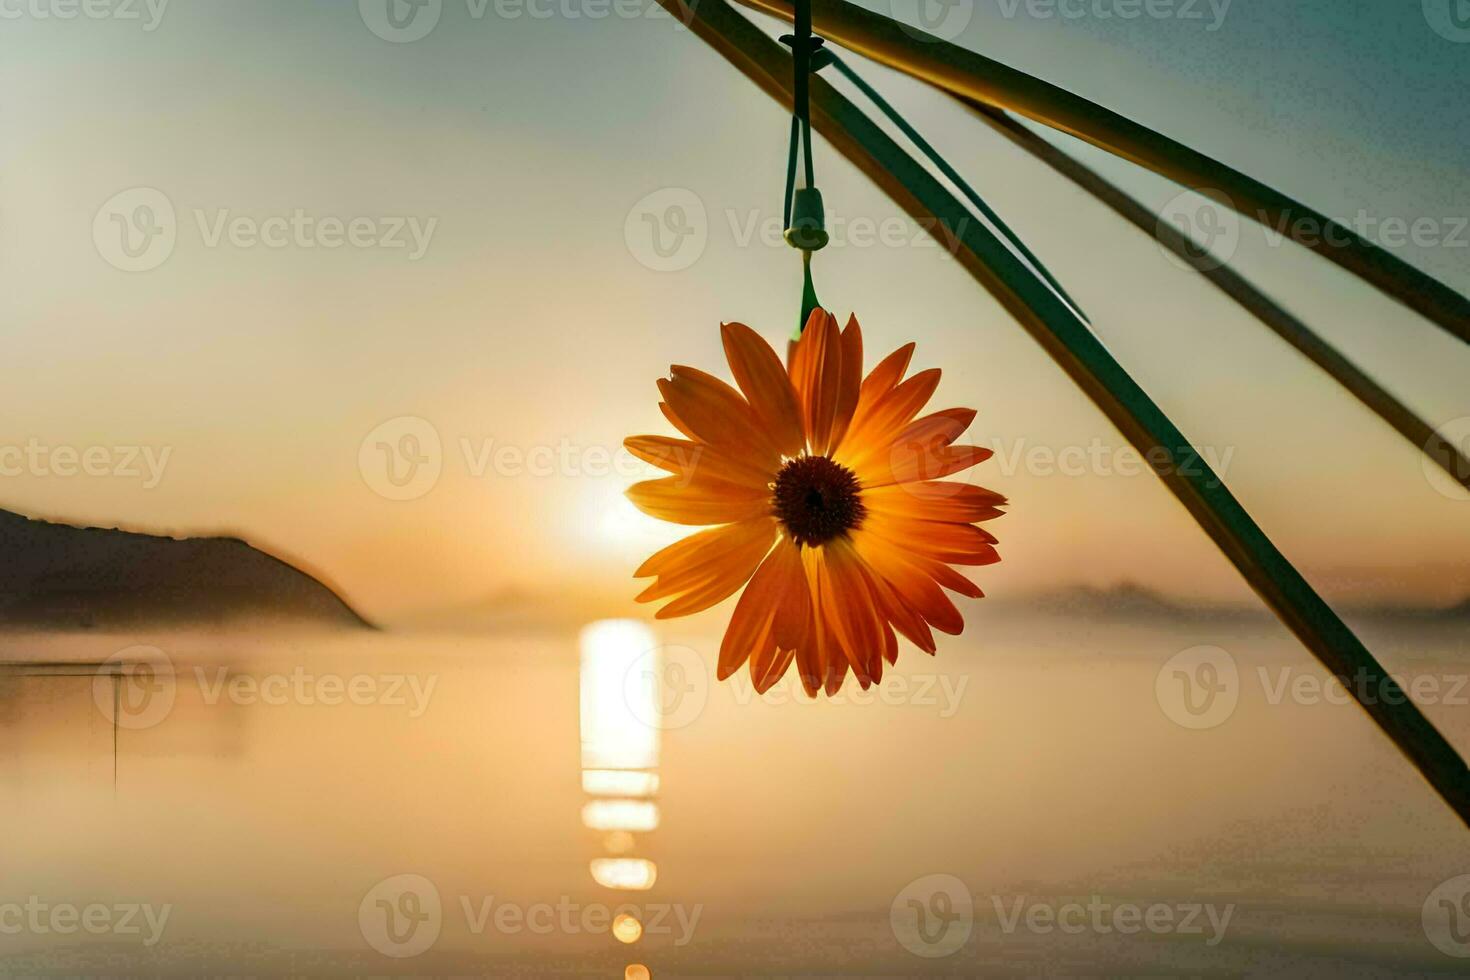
{"x":1429,"y":614}
{"x":58,"y":575}
{"x":1124,"y":599}
{"x":1129,"y":600}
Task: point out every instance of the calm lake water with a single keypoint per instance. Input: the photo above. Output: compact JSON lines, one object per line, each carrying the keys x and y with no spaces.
{"x":1048,"y":797}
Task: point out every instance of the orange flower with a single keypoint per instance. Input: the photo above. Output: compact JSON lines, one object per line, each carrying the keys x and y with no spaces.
{"x":831,"y":508}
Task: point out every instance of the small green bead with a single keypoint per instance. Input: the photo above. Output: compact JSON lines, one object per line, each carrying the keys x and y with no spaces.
{"x":807,"y":239}
{"x":807,"y":231}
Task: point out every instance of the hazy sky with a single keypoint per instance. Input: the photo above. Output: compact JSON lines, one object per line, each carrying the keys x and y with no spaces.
{"x":330,"y":230}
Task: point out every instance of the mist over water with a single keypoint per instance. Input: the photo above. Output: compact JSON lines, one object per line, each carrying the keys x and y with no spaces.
{"x":1018,"y":804}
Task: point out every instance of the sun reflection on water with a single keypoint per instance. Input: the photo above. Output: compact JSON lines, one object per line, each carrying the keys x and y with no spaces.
{"x":625,"y":874}
{"x":620,"y":683}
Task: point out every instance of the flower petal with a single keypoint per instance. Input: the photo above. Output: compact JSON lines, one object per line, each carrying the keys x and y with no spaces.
{"x":846,"y":604}
{"x":915,"y":462}
{"x":796,"y":626}
{"x":954,"y":544}
{"x":904,"y":617}
{"x":752,"y":623}
{"x":963,"y":503}
{"x":716,"y":413}
{"x":883,"y":378}
{"x":699,"y":501}
{"x":851,"y":383}
{"x":890,"y":645}
{"x":949,"y":578}
{"x":721,"y":581}
{"x":836,"y":666}
{"x":910,"y":583}
{"x":675,"y":421}
{"x":914,"y":450}
{"x":769,"y":667}
{"x":767,"y":386}
{"x":824,"y":656}
{"x":875,"y":387}
{"x":816,"y":372}
{"x":941,"y":427}
{"x":872,"y":436}
{"x":689,"y":459}
{"x":809,"y":668}
{"x":692,"y":552}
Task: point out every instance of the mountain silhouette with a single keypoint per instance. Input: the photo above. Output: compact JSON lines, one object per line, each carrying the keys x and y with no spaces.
{"x":1134,"y":601}
{"x":59,"y":575}
{"x":1122,"y":599}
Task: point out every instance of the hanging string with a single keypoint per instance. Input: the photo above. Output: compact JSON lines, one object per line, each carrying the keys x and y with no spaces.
{"x":801,"y":55}
{"x":803,"y":211}
{"x":791,"y":170}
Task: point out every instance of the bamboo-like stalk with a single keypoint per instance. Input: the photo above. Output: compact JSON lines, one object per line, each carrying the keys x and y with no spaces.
{"x":1081,"y":354}
{"x":965,"y":73}
{"x":1289,"y":328}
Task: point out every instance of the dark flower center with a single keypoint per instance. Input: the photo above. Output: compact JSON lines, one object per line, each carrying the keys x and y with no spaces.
{"x":817,"y":499}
